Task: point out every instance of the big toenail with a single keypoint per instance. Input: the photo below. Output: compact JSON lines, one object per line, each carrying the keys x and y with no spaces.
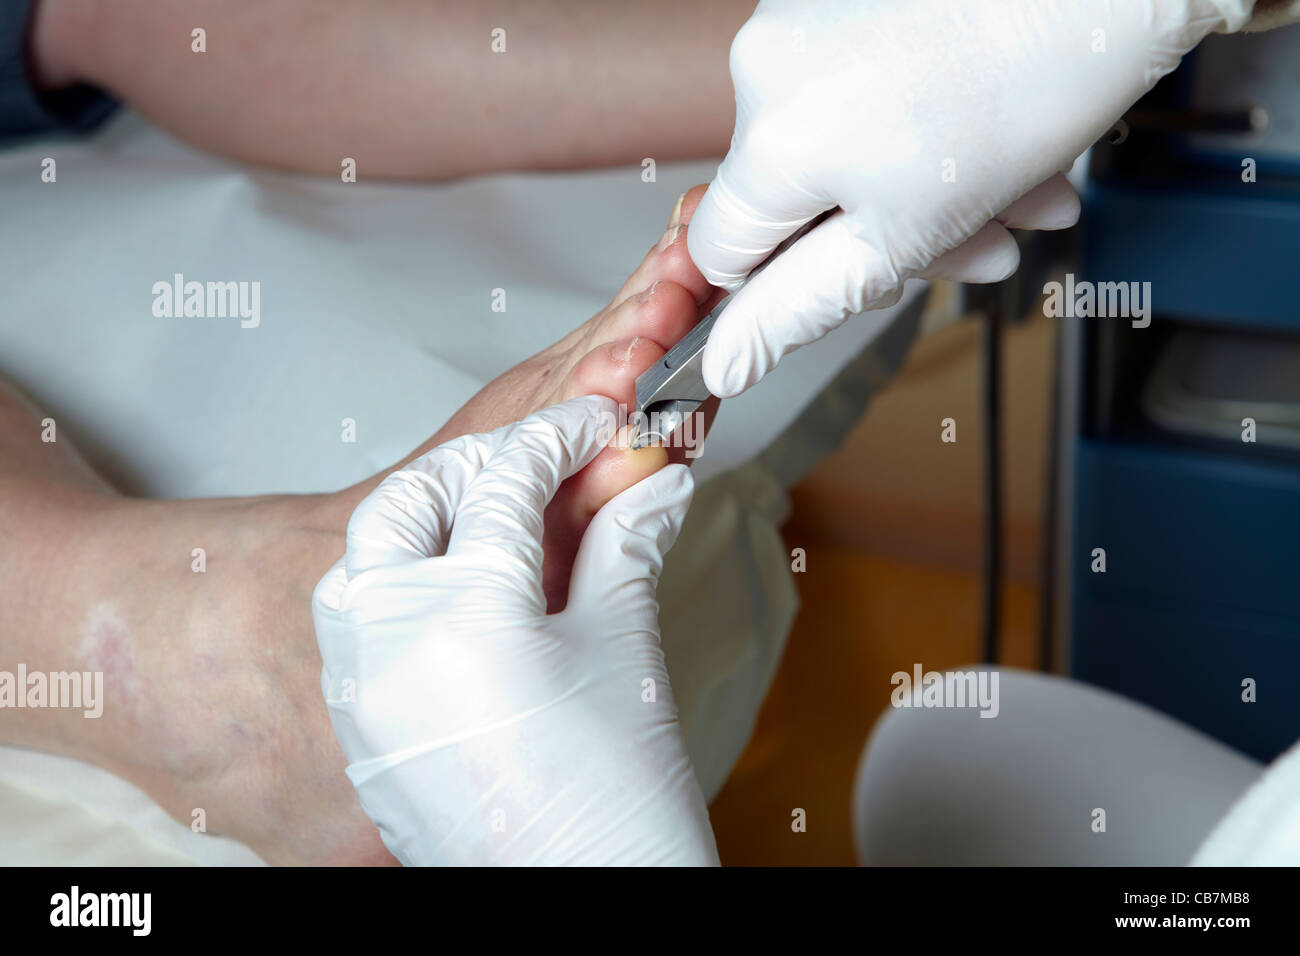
{"x":630,"y":349}
{"x":676,"y":217}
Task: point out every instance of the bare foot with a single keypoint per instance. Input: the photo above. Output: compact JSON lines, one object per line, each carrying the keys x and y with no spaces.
{"x":198,"y":613}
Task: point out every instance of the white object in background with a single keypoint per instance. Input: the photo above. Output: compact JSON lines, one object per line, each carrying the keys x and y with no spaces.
{"x":933,"y":125}
{"x":941,"y":787}
{"x":1263,"y":827}
{"x":478,"y":728}
{"x":944,"y":787}
{"x":1207,"y":382}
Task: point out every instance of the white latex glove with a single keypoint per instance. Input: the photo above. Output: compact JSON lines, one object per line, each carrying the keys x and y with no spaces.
{"x":934,"y":124}
{"x":478,"y":729}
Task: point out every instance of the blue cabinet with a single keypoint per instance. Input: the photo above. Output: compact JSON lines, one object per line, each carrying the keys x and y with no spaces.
{"x":1202,"y":539}
{"x":1201,"y":589}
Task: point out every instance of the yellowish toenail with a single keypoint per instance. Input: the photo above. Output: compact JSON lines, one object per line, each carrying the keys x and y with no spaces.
{"x":654,"y":455}
{"x":676,"y":217}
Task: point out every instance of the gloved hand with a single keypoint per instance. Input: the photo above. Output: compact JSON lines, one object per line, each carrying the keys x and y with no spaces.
{"x":478,"y":729}
{"x":934,"y":125}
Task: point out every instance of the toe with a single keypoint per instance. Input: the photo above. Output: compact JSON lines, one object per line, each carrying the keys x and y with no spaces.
{"x":662,"y":313}
{"x":614,"y":470}
{"x":611,"y":370}
{"x":669,"y":259}
{"x":576,"y":503}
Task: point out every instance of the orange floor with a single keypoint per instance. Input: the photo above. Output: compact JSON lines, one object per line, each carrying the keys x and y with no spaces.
{"x":890,"y":526}
{"x":833,"y":683}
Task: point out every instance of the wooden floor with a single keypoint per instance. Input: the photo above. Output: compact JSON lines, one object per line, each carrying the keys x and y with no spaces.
{"x":891,"y":528}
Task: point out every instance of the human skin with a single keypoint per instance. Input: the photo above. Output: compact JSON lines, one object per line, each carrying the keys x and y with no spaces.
{"x":410,"y":88}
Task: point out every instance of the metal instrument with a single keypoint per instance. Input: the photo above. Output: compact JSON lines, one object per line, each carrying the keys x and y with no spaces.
{"x":673,"y":388}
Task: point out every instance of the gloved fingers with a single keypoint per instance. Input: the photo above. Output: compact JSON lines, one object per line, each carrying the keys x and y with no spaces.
{"x":992,"y":255}
{"x":618,"y":563}
{"x":743,"y":216}
{"x":328,"y":593}
{"x":988,"y":256}
{"x":828,"y":275}
{"x":1052,"y":204}
{"x":499,"y":520}
{"x":409,"y":515}
{"x":338,"y":645}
